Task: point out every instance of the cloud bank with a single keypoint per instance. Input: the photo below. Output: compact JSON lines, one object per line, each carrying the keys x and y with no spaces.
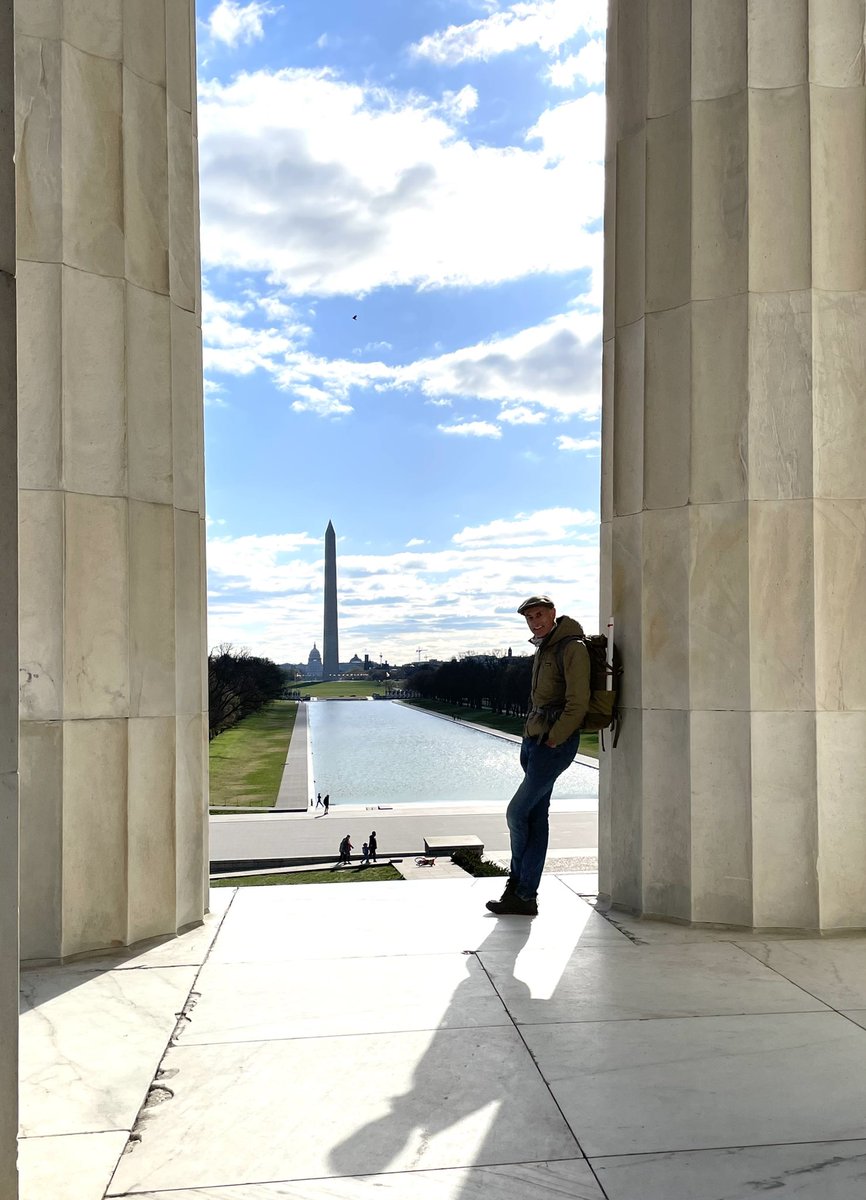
{"x":548,"y":24}
{"x":548,"y":370}
{"x":232,"y":22}
{"x":333,"y":188}
{"x":267,"y":591}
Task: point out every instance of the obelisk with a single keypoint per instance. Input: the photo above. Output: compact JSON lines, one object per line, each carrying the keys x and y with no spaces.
{"x":330,"y":644}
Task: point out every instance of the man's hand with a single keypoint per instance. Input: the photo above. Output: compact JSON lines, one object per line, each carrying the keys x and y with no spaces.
{"x":550,"y":744}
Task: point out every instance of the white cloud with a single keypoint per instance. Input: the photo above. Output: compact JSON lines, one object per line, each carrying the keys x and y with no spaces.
{"x":234,"y":343}
{"x":554,"y":366}
{"x":266,"y":592}
{"x":277,"y":309}
{"x":316,"y":400}
{"x":576,"y":122}
{"x":588,"y":65}
{"x":232,"y":22}
{"x":548,"y":524}
{"x":472,"y":429}
{"x":458,"y":105}
{"x":416,"y":542}
{"x":257,"y":557}
{"x":549,"y":369}
{"x":548,"y":24}
{"x":572,"y":443}
{"x":214,"y":394}
{"x":333,"y":188}
{"x":521,"y":415}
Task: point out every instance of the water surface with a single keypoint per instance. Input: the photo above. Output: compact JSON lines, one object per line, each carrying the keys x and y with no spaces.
{"x":379,"y":752}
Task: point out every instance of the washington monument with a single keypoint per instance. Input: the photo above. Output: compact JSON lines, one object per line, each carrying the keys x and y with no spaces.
{"x":330,"y":645}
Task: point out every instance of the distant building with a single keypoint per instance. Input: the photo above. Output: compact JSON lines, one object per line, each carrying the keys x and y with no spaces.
{"x":314,"y":664}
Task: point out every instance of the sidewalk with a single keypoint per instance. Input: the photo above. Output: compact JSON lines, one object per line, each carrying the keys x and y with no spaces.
{"x":293,"y":793}
{"x":291,"y":839}
{"x":394,"y":1039}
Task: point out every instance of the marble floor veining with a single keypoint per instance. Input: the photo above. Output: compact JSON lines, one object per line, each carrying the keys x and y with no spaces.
{"x":395,"y":1040}
{"x":568,"y":1179}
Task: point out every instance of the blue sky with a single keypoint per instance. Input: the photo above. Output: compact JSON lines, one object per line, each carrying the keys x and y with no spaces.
{"x":401,"y":248}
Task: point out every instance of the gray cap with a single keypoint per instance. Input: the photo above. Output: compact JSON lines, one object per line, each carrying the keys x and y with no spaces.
{"x":536,"y":602}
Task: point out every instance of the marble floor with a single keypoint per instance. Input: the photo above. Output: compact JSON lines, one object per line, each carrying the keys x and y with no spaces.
{"x":394,"y":1040}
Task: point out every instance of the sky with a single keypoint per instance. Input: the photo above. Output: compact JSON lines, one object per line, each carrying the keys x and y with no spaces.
{"x":401,"y":207}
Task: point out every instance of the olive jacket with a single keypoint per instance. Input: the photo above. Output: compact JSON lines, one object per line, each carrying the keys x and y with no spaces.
{"x":560,"y":695}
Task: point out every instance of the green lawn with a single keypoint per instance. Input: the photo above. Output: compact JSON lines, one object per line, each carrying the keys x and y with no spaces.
{"x":341,"y":688}
{"x":246,"y":762}
{"x":353,"y":874}
{"x":498,"y":721}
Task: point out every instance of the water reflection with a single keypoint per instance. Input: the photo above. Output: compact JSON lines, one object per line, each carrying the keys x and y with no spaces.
{"x":378,"y":752}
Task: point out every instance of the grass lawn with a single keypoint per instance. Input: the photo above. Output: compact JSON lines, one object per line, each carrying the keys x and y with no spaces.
{"x":246,"y":762}
{"x":353,"y":874}
{"x":498,"y":721}
{"x":337,"y":688}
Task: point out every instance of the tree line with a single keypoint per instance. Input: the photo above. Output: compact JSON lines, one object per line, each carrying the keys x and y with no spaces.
{"x":239,"y":683}
{"x":482,"y":681}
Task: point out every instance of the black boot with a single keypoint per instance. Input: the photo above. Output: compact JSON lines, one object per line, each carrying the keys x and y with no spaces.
{"x":512,"y":905}
{"x":510,"y":888}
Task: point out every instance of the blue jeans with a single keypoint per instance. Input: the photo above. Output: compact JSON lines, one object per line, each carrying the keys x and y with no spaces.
{"x":527,"y":813}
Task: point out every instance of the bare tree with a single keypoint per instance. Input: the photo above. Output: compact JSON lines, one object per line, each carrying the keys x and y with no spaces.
{"x":239,"y":683}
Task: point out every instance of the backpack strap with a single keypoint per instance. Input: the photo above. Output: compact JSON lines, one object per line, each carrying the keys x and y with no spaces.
{"x":559,"y":649}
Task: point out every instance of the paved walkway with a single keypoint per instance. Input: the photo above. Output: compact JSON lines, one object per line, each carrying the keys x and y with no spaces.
{"x":293,"y":839}
{"x":394,"y":1039}
{"x":294,"y":794}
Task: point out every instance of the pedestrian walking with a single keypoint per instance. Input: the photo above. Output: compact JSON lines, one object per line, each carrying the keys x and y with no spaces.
{"x":319,"y":800}
{"x":345,"y":850}
{"x":365,"y":853}
{"x":373,"y":846}
{"x":326,"y":802}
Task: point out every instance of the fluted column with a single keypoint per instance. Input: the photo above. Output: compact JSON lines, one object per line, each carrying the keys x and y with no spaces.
{"x":734,"y":488}
{"x":8,"y":629}
{"x":113,"y":737}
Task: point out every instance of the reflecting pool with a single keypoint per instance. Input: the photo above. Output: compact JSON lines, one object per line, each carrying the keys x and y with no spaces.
{"x":379,"y":752}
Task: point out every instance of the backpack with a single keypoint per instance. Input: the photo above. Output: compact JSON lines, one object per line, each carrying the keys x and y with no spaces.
{"x":603,"y":712}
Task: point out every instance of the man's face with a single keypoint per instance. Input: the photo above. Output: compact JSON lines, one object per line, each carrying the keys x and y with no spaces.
{"x":540,"y":620}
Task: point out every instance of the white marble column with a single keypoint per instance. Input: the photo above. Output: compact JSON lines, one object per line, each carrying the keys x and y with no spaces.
{"x":734,"y":485}
{"x":8,"y":629}
{"x":112,"y":695}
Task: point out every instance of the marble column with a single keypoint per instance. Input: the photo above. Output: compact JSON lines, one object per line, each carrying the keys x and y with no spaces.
{"x":8,"y":628}
{"x":111,"y":602}
{"x":733,"y":479}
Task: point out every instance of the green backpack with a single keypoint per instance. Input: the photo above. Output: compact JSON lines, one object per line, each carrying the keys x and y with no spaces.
{"x":603,"y":712}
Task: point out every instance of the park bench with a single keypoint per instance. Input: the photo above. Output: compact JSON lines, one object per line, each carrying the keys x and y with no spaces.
{"x":447,"y":845}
